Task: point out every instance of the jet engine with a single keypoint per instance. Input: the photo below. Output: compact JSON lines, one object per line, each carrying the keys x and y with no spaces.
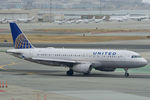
{"x":82,"y":68}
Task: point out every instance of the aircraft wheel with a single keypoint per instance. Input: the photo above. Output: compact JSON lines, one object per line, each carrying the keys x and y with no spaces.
{"x":69,"y":73}
{"x":86,"y":74}
{"x":126,"y":74}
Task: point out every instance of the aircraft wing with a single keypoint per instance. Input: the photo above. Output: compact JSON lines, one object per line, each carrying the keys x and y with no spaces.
{"x":94,"y":64}
{"x":56,"y":60}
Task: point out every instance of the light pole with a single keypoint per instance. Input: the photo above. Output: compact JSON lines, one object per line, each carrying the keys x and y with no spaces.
{"x":100,"y":7}
{"x":50,"y":10}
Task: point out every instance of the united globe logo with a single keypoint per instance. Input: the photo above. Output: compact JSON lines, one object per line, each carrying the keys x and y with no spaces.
{"x":22,"y":42}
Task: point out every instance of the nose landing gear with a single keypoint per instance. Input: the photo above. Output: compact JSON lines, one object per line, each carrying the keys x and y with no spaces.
{"x":126,"y":72}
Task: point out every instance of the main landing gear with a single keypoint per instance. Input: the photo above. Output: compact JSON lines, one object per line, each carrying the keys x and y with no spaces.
{"x":126,"y":72}
{"x":69,"y":72}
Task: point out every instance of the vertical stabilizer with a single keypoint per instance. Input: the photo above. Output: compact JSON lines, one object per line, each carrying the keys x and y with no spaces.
{"x":19,"y":39}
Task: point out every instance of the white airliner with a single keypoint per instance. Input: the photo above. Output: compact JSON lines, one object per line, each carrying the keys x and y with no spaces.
{"x":77,"y":60}
{"x":100,"y":20}
{"x":3,"y":21}
{"x":119,"y":18}
{"x":25,"y":20}
{"x":138,"y":18}
{"x":60,"y":22}
{"x":89,"y":20}
{"x":6,"y":20}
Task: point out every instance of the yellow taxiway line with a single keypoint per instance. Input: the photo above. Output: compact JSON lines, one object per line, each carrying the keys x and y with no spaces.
{"x":2,"y":66}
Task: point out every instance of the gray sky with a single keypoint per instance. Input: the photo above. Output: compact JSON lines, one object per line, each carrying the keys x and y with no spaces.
{"x":148,"y":1}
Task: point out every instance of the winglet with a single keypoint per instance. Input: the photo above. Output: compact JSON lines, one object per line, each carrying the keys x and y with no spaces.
{"x":19,"y":39}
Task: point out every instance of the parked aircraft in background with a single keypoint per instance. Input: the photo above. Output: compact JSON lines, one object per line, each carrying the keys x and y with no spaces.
{"x":60,"y":22}
{"x":77,"y":60}
{"x":70,"y":22}
{"x":99,"y":20}
{"x":11,"y":20}
{"x":8,"y":20}
{"x":3,"y":21}
{"x":78,"y":21}
{"x":138,"y":18}
{"x":129,"y":17}
{"x":89,"y":20}
{"x":25,"y":20}
{"x":119,"y":18}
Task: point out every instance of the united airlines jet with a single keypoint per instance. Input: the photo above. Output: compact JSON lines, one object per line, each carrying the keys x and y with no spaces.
{"x":77,"y":60}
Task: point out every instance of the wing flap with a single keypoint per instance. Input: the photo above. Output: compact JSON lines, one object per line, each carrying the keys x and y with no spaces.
{"x":55,"y":60}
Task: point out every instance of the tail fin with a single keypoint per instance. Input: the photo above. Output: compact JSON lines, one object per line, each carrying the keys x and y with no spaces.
{"x":19,"y":39}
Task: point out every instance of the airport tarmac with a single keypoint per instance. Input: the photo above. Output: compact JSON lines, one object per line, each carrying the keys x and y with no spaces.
{"x":118,"y":44}
{"x":101,"y":25}
{"x":29,"y":27}
{"x":27,"y":80}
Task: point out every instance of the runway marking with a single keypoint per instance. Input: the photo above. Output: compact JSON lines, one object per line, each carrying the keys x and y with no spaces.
{"x":2,"y":66}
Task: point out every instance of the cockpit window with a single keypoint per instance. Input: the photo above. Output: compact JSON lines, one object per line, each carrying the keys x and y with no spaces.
{"x":135,"y":56}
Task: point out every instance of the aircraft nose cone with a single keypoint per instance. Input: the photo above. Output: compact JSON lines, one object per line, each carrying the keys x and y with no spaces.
{"x":144,"y":62}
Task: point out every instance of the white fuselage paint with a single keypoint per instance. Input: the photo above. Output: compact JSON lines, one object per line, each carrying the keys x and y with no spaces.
{"x":99,"y":57}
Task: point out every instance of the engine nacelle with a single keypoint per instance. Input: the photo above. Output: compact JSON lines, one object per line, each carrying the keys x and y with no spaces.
{"x":82,"y":68}
{"x":106,"y":69}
